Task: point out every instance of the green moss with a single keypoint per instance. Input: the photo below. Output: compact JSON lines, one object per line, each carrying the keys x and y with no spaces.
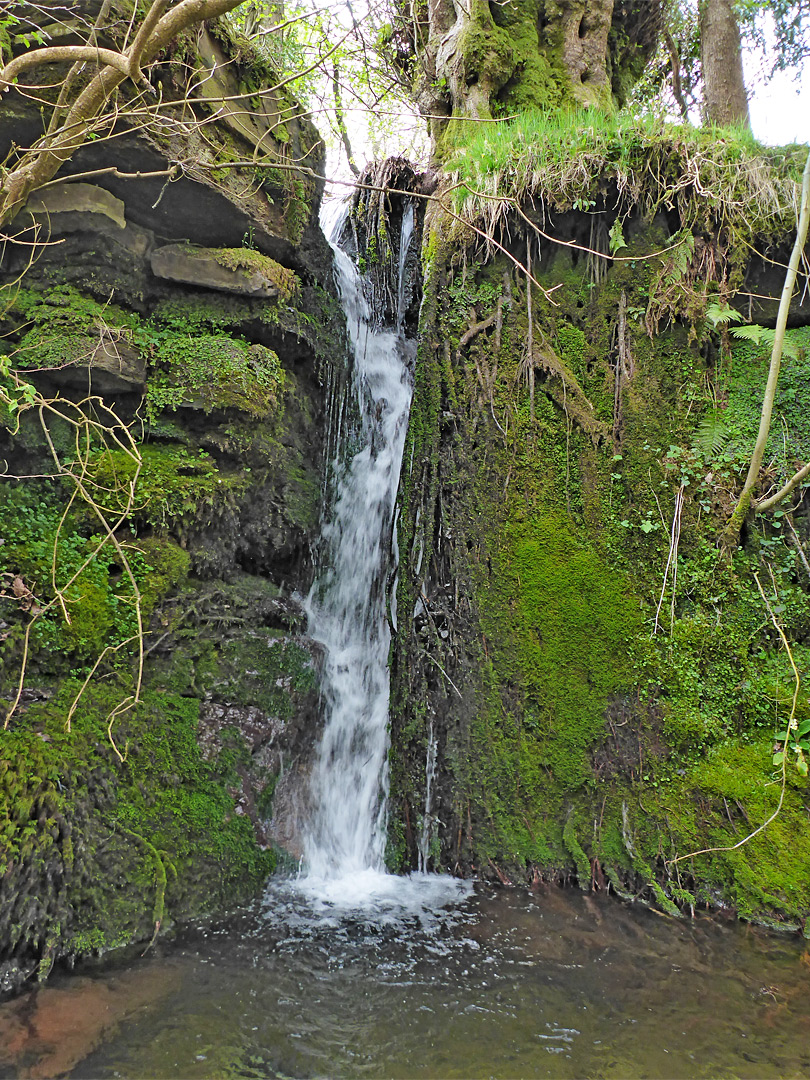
{"x":88,"y":841}
{"x":254,"y":262}
{"x":213,"y":371}
{"x":41,"y":550}
{"x":574,"y":848}
{"x":721,"y":800}
{"x":165,"y":566}
{"x":66,"y":326}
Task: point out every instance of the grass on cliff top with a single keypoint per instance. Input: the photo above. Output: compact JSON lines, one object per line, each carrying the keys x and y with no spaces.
{"x":583,"y":160}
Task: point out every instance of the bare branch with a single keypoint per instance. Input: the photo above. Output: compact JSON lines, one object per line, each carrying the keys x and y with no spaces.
{"x":56,"y":54}
{"x":772,"y":500}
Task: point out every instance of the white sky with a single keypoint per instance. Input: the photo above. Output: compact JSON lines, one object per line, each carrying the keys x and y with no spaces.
{"x":780,"y":112}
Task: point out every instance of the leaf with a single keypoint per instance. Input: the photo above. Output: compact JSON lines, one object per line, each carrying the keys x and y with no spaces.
{"x":778,"y":758}
{"x":712,"y":434}
{"x":721,"y":313}
{"x":617,"y":240}
{"x":765,"y":335}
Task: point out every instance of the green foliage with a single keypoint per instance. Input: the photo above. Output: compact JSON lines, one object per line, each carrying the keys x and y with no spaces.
{"x":766,"y":335}
{"x":80,"y":833}
{"x":99,"y":603}
{"x":175,"y":490}
{"x":616,"y":235}
{"x":797,"y":742}
{"x":15,"y":393}
{"x":727,"y":435}
{"x":66,"y":326}
{"x":712,"y":435}
{"x":718,"y":313}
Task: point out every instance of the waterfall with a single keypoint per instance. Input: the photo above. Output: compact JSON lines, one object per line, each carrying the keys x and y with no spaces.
{"x":428,"y":824}
{"x":347,"y":604}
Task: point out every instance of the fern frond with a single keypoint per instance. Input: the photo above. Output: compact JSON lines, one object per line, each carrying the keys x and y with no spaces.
{"x":765,"y":335}
{"x":712,"y":434}
{"x":721,"y":313}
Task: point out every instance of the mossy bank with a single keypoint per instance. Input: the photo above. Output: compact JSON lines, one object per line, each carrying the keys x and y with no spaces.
{"x":603,"y":682}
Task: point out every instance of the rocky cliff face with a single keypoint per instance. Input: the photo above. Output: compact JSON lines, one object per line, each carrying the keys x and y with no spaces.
{"x":182,"y":327}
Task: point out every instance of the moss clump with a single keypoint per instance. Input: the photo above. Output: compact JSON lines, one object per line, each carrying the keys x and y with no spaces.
{"x":717,"y":803}
{"x":175,"y":489}
{"x":66,"y":327}
{"x":560,"y":623}
{"x":285,"y":280}
{"x":213,"y":371}
{"x":574,"y":849}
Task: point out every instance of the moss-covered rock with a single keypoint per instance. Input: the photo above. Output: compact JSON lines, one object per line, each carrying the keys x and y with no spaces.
{"x":604,"y":684}
{"x":155,"y":530}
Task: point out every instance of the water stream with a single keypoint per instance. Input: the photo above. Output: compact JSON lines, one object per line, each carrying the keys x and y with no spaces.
{"x":344,"y":843}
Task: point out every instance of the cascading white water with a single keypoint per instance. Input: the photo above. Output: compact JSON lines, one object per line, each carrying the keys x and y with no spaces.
{"x":347,"y":604}
{"x":427,"y":831}
{"x":343,"y":865}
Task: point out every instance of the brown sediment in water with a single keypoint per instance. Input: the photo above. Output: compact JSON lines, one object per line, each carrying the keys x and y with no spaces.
{"x":51,"y":1029}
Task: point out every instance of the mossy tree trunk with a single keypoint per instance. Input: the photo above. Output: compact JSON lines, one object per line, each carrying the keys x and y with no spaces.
{"x":491,"y":59}
{"x":725,"y":97}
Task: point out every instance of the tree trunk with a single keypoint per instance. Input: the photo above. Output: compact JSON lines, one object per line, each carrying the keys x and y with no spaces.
{"x":744,"y":502}
{"x":725,"y":98}
{"x":485,"y":59}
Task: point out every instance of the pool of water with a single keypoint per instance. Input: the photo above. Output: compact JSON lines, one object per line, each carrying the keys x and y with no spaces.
{"x":496,"y":983}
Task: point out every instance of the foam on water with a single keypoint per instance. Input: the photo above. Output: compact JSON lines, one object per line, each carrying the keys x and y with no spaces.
{"x":386,"y":897}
